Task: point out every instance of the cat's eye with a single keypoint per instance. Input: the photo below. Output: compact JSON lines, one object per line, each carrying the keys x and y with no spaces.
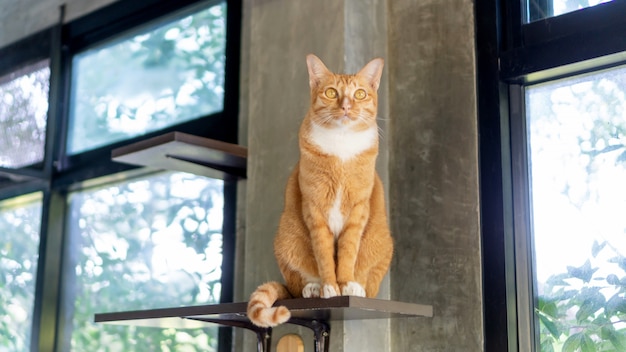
{"x":360,"y":94}
{"x":331,"y":93}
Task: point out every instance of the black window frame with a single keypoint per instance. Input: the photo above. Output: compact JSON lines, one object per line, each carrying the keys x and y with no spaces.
{"x":60,"y":173}
{"x":510,"y":55}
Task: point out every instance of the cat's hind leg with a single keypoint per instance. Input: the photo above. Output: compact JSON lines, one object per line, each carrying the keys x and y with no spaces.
{"x":376,"y":249}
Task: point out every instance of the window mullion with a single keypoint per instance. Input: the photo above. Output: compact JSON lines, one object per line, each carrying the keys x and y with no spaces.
{"x":522,"y":228}
{"x":45,"y":323}
{"x":56,"y":96}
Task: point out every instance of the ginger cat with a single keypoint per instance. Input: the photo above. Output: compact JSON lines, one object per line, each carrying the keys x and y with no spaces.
{"x":333,"y":237}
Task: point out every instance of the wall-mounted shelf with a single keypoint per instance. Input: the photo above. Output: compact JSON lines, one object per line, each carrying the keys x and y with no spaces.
{"x":185,"y":152}
{"x":314,"y":313}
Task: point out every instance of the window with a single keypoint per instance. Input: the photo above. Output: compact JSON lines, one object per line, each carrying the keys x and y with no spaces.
{"x":551,"y":86}
{"x":148,"y":81}
{"x":577,"y":158}
{"x":20,"y":219}
{"x":145,"y":243}
{"x":82,"y":234}
{"x":540,"y":9}
{"x":23,"y":113}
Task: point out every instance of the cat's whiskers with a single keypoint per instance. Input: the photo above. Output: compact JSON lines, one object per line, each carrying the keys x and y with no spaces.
{"x":379,"y":130}
{"x":326,"y":119}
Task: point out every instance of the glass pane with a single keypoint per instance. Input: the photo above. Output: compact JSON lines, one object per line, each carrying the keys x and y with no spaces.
{"x":20,"y":220}
{"x":143,"y":83}
{"x":23,"y":113}
{"x":147,"y":243}
{"x":577,"y":132}
{"x":540,"y":9}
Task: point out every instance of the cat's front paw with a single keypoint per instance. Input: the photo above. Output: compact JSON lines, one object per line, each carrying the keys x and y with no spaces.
{"x":312,"y":289}
{"x":352,"y":288}
{"x":329,"y":291}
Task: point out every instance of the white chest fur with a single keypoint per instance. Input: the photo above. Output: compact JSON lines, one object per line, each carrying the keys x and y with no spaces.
{"x":341,"y":141}
{"x":335,"y":218}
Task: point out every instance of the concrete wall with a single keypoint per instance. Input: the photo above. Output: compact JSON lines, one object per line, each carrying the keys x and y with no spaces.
{"x":20,"y":18}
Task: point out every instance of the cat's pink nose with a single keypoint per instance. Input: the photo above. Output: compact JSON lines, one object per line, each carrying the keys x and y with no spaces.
{"x":345,"y":105}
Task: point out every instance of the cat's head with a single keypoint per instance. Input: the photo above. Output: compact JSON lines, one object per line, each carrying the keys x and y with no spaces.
{"x":341,"y":99}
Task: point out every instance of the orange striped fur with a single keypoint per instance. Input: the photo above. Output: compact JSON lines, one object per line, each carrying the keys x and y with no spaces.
{"x":333,"y":237}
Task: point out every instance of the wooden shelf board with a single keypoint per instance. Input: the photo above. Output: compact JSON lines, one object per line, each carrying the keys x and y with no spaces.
{"x":185,"y":152}
{"x":322,"y":309}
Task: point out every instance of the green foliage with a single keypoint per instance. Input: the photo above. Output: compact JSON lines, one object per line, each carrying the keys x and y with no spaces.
{"x":583,"y":311}
{"x":19,"y":239}
{"x":23,"y":109}
{"x":171,"y":74}
{"x":149,"y":243}
{"x":578,"y":141}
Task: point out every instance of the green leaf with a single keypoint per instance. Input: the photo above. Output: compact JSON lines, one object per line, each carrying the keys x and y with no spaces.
{"x":587,"y":344}
{"x":572,"y":343}
{"x":546,"y":346}
{"x":621,"y":261}
{"x":567,"y":295}
{"x":618,"y":340}
{"x":612,"y":279}
{"x":547,"y":306}
{"x":579,"y":342}
{"x":606,"y":331}
{"x":585,"y":311}
{"x":597,"y":247}
{"x":621,"y":158}
{"x":584,"y":272}
{"x":615,"y":304}
{"x":592,"y":301}
{"x":554,"y":331}
{"x":558,"y":280}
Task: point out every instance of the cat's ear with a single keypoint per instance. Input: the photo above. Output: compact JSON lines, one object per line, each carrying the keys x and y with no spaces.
{"x":373,"y":71}
{"x":317,"y":70}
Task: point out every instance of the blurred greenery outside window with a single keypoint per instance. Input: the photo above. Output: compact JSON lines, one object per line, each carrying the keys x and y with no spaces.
{"x":577,"y":162}
{"x":20,"y":220}
{"x":151,"y":242}
{"x":23,"y":110}
{"x":148,"y":81}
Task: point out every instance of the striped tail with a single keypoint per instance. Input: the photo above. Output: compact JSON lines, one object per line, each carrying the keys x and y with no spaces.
{"x":260,"y":310}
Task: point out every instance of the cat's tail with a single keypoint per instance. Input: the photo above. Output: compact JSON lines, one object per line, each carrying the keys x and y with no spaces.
{"x":260,"y":307}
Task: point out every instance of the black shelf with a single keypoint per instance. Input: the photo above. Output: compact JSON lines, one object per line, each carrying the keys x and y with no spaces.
{"x":323,"y":309}
{"x":314,"y":313}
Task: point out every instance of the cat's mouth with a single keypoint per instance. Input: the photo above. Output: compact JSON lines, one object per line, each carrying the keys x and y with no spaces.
{"x":345,"y":119}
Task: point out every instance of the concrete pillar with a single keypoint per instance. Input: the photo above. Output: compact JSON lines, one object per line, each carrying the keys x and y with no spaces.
{"x":433,"y":168}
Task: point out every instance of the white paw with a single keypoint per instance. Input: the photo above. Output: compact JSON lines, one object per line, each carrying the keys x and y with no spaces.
{"x":353,"y":289}
{"x":329,"y":291}
{"x":312,"y":289}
